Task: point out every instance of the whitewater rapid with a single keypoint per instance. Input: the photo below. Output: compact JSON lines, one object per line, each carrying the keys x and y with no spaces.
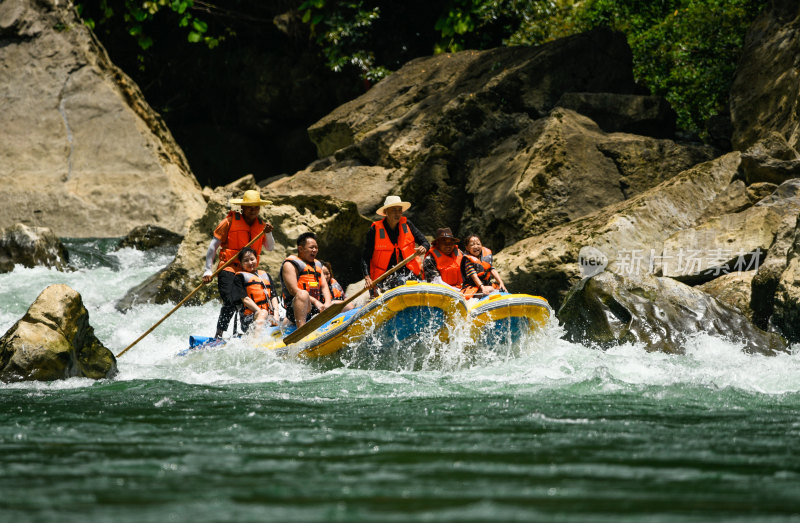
{"x":103,"y":276}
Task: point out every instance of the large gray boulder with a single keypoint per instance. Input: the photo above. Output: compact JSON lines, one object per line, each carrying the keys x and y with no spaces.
{"x":31,"y":247}
{"x":660,"y":313}
{"x":146,"y":237}
{"x":82,"y":152}
{"x":731,"y":242}
{"x":476,"y":140}
{"x":765,"y":92}
{"x":630,"y":233}
{"x":54,"y":340}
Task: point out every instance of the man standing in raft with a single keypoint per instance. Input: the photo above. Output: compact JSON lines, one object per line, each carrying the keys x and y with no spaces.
{"x":305,"y":290}
{"x":234,"y":232}
{"x":390,"y":241}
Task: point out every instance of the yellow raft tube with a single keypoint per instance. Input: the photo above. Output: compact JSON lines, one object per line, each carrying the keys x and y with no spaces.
{"x":413,"y":310}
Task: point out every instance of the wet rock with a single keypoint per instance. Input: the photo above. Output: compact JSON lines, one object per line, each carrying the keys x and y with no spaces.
{"x":765,"y":92}
{"x":54,"y":340}
{"x":146,"y":237}
{"x":660,"y":313}
{"x":629,"y":233}
{"x":768,"y":274}
{"x":77,"y":129}
{"x":31,"y":247}
{"x":733,"y":289}
{"x":786,"y":313}
{"x":626,"y":113}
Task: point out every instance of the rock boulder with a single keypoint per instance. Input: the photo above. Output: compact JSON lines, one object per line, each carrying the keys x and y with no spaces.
{"x":146,"y":237}
{"x":54,"y":340}
{"x":82,"y":152}
{"x":630,"y":233}
{"x":765,"y":93}
{"x":661,"y":313}
{"x":30,"y":247}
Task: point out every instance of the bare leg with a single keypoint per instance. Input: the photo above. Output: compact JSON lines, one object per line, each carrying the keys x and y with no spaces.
{"x":301,"y":305}
{"x":261,"y":318}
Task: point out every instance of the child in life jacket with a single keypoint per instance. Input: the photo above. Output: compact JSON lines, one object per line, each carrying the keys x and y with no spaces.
{"x":256,"y":290}
{"x":481,"y":278}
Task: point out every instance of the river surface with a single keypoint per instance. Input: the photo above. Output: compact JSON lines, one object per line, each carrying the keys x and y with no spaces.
{"x":558,"y":432}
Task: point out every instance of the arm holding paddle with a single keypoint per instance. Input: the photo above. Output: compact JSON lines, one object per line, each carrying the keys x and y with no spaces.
{"x":326,"y":315}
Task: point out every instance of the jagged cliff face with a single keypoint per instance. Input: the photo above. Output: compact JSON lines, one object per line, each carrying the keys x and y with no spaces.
{"x":82,"y":151}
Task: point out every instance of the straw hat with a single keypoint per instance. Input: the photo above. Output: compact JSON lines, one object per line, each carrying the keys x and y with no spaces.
{"x":392,"y":201}
{"x":249,"y":199}
{"x":445,"y":233}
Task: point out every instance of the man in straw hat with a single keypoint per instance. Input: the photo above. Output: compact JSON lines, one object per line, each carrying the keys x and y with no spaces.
{"x":445,"y":260}
{"x":390,"y":241}
{"x":231,"y":235}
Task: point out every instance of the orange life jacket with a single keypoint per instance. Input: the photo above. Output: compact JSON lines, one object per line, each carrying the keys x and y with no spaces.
{"x":240,"y":235}
{"x":308,"y":278}
{"x":384,"y":248}
{"x":449,"y":267}
{"x":259,"y":287}
{"x":483,"y":265}
{"x":336,"y":290}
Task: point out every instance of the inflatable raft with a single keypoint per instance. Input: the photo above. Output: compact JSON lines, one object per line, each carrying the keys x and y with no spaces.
{"x":413,"y":312}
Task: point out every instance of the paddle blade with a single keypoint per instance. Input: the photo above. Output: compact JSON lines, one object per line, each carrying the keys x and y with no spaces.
{"x":314,"y":323}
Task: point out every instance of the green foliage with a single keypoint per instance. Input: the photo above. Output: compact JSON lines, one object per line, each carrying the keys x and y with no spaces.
{"x":685,"y":50}
{"x":343,"y":31}
{"x":138,"y":15}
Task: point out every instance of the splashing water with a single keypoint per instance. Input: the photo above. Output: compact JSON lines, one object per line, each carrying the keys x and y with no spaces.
{"x":537,"y":429}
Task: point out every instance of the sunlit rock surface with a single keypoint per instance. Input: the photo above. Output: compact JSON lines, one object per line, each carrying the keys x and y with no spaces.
{"x":630,"y":233}
{"x":82,"y":152}
{"x":54,"y":340}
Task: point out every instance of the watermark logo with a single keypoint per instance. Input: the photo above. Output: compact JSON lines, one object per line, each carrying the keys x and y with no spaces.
{"x":592,"y":261}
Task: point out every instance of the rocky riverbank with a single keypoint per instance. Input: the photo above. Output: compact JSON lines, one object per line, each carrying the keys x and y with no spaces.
{"x":542,"y":151}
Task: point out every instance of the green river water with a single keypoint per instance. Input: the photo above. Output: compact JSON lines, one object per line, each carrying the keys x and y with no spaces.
{"x":558,"y":432}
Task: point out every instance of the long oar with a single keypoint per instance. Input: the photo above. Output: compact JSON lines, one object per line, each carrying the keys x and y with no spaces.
{"x":178,"y":306}
{"x":324,"y":316}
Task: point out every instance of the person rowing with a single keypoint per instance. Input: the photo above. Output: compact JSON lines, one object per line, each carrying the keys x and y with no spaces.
{"x":304,"y":288}
{"x":389,"y":241}
{"x":231,"y":234}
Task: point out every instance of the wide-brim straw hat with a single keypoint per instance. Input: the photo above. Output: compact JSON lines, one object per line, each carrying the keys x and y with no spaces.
{"x":445,"y":234}
{"x":392,"y":201}
{"x":249,"y":199}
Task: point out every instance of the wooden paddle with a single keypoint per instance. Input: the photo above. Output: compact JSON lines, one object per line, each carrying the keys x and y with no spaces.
{"x":335,"y":308}
{"x":178,"y":306}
